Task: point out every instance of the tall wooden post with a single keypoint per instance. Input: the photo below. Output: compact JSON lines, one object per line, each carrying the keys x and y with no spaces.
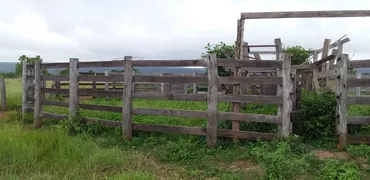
{"x":106,"y":83}
{"x":195,"y":90}
{"x":325,"y":53}
{"x":287,"y":91}
{"x":38,"y":97}
{"x":73,"y":88}
{"x":212,"y":100}
{"x":162,"y":85}
{"x":3,"y":94}
{"x":127,"y":100}
{"x":239,"y":45}
{"x":342,"y":107}
{"x":358,"y":88}
{"x":24,"y":91}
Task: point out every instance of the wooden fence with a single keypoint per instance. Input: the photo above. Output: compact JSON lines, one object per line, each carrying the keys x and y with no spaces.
{"x":343,"y":100}
{"x":178,"y":88}
{"x":32,"y":73}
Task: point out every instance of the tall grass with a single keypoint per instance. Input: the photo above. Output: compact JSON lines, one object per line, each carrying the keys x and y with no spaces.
{"x":50,"y":154}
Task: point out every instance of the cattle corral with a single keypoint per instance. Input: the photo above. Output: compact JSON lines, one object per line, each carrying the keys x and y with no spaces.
{"x":278,"y":82}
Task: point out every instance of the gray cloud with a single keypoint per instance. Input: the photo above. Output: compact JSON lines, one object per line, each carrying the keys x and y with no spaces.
{"x":97,"y":30}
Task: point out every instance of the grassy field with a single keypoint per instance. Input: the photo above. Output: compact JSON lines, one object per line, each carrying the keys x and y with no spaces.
{"x":100,"y":153}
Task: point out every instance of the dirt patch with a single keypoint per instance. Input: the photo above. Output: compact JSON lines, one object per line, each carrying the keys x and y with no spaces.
{"x":2,"y":115}
{"x":244,"y":166}
{"x":335,"y":155}
{"x":86,"y":97}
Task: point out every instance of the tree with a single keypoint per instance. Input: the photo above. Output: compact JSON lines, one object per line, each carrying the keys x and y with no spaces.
{"x":223,"y":51}
{"x":300,"y":55}
{"x":22,"y":59}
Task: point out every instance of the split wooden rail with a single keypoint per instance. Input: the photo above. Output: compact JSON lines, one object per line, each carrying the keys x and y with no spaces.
{"x":282,"y":119}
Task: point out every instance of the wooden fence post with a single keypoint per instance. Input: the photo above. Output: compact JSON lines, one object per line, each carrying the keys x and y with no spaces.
{"x":162,"y":85}
{"x":358,"y":88}
{"x":37,"y":96}
{"x":73,"y":87}
{"x":106,"y":88}
{"x":342,"y":101}
{"x":3,"y":94}
{"x":287,"y":108}
{"x":127,"y":100}
{"x":212,"y":100}
{"x":24,"y":91}
{"x":195,"y":90}
{"x":94,"y":85}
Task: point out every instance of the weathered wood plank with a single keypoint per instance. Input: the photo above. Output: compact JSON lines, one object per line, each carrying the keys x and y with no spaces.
{"x":3,"y":94}
{"x":306,"y":14}
{"x":358,"y":119}
{"x":357,"y":139}
{"x":251,"y":99}
{"x":354,"y":82}
{"x":73,"y":87}
{"x":272,"y":119}
{"x":253,"y":46}
{"x":250,"y":64}
{"x":171,"y":112}
{"x":342,"y":106}
{"x":54,"y":78}
{"x":358,"y":100}
{"x":287,"y":107}
{"x":245,"y":135}
{"x":170,"y":129}
{"x":127,"y":100}
{"x":170,"y":96}
{"x":363,"y":63}
{"x":212,"y":97}
{"x":46,"y":115}
{"x":38,"y":97}
{"x":24,"y":91}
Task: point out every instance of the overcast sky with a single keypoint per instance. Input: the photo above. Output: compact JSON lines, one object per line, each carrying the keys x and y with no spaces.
{"x":165,"y":29}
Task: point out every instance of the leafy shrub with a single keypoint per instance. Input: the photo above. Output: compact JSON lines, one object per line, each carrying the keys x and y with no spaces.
{"x":362,"y":150}
{"x":315,"y":118}
{"x":279,"y":160}
{"x":334,"y":169}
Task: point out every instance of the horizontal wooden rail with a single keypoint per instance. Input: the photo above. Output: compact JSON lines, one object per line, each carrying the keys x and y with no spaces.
{"x":306,"y":14}
{"x":358,"y":119}
{"x":172,"y":129}
{"x":174,"y":79}
{"x":353,"y":82}
{"x":252,"y":46}
{"x":169,"y":96}
{"x":358,"y":100}
{"x":364,"y":63}
{"x":358,"y":139}
{"x":171,"y":63}
{"x":273,"y":119}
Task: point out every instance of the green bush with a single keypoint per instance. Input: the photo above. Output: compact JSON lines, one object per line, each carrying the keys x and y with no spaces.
{"x":334,"y":169}
{"x":357,"y":151}
{"x":279,"y":161}
{"x":315,"y":118}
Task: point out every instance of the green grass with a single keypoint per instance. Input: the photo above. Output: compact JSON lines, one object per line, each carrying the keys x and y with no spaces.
{"x":100,"y":153}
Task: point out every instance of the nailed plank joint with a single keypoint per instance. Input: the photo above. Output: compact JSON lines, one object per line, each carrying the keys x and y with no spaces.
{"x":127,"y":100}
{"x":212,"y":100}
